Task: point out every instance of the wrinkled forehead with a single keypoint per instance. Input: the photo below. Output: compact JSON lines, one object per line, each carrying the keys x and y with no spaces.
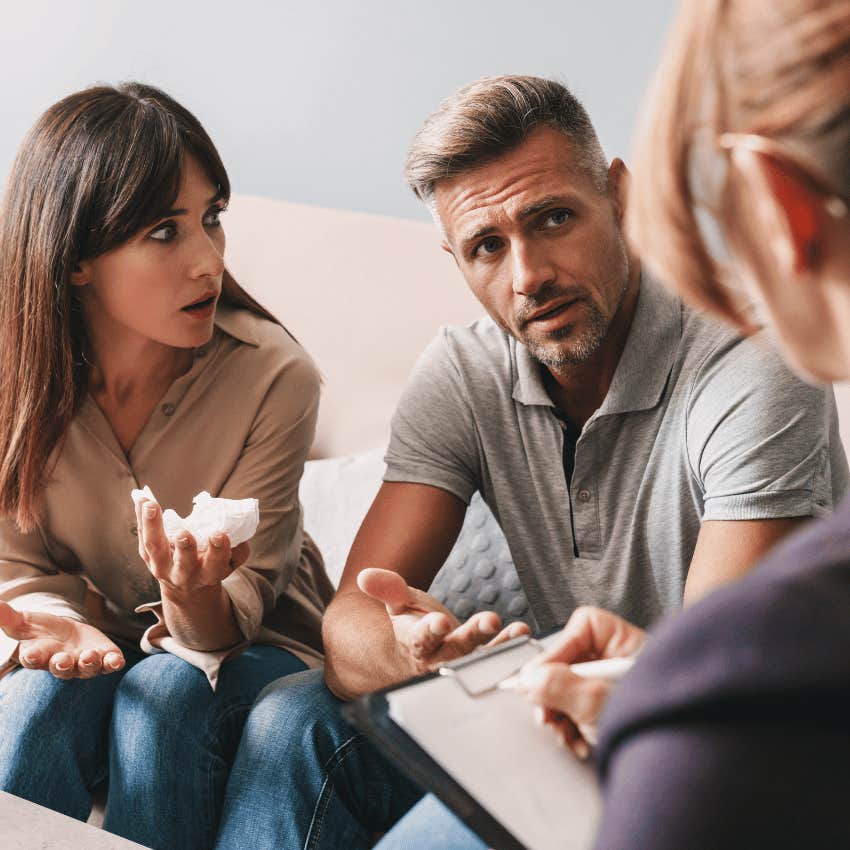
{"x":544,"y":166}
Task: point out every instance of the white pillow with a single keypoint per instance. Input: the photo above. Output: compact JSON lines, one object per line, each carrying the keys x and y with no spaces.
{"x":336,"y":493}
{"x":479,"y":574}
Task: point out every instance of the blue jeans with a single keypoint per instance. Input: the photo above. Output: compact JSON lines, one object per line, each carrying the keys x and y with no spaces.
{"x":429,"y":825}
{"x":156,"y":729}
{"x":303,"y":779}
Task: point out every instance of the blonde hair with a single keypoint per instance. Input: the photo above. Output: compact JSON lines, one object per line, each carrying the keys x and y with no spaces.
{"x":489,"y":118}
{"x":776,"y":68}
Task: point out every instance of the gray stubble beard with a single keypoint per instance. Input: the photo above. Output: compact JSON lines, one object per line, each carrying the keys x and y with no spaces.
{"x":555,"y":356}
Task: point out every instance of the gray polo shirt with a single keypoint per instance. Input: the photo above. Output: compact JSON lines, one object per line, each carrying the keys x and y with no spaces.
{"x":698,"y":424}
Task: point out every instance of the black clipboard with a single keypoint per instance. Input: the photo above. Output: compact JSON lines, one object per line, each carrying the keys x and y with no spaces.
{"x":371,"y":716}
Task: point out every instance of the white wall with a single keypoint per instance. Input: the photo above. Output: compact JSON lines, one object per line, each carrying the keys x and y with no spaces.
{"x":317,"y":101}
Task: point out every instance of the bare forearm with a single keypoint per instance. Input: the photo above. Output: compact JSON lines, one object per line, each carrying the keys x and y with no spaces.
{"x":361,"y":650}
{"x":201,"y":619}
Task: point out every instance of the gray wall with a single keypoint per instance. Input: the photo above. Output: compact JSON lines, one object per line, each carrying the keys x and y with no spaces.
{"x":317,"y":101}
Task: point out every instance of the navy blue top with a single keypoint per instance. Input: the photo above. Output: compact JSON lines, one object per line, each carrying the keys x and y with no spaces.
{"x":733,"y":729}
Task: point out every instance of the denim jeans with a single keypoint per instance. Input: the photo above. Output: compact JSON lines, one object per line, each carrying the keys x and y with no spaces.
{"x":429,"y":825}
{"x":303,"y":779}
{"x":163,"y":737}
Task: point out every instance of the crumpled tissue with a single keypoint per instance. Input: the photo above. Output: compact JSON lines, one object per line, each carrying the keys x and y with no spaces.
{"x":237,"y":518}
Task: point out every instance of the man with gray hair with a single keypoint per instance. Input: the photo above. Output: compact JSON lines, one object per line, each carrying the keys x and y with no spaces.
{"x":633,"y":451}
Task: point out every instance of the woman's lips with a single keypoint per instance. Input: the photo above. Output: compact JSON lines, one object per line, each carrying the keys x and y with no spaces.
{"x":202,"y":309}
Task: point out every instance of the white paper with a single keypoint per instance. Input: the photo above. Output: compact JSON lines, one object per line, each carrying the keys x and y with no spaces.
{"x":538,"y":790}
{"x":237,"y":518}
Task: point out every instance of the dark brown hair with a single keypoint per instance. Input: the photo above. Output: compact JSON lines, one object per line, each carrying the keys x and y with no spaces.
{"x":97,"y":167}
{"x":491,"y":117}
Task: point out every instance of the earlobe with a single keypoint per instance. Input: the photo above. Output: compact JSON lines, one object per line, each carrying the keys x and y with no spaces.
{"x":80,"y":274}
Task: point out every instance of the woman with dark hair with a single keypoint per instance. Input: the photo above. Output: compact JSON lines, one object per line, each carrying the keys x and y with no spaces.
{"x":130,"y":356}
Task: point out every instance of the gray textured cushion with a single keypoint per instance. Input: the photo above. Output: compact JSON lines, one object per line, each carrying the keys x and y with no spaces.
{"x":479,"y":574}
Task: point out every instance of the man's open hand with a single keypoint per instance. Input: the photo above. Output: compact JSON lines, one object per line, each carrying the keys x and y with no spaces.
{"x":426,"y":632}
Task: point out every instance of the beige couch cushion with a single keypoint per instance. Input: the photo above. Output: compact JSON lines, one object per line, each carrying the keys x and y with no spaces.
{"x":363,"y":293}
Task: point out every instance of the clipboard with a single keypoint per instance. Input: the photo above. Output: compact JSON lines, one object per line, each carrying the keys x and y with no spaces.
{"x":477,"y":747}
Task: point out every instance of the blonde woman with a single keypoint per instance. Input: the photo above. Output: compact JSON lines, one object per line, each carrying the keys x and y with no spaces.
{"x":130,"y":357}
{"x":732,"y":730}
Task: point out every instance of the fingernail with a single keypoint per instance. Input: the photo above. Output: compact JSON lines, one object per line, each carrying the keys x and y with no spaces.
{"x":539,"y":716}
{"x":218,"y":541}
{"x":183,"y":542}
{"x":63,"y":666}
{"x":31,"y":658}
{"x":150,"y":511}
{"x":581,"y":749}
{"x":486,"y":628}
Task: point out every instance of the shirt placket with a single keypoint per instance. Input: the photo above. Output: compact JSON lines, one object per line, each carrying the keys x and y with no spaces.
{"x":584,"y":498}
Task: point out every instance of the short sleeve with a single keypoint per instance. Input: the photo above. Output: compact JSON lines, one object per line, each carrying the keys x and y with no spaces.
{"x":433,"y":437}
{"x":760,"y":440}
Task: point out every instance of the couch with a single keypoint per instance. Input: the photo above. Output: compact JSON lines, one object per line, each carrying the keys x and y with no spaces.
{"x":364,"y":294}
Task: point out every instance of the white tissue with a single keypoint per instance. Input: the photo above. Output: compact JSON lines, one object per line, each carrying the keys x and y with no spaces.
{"x":237,"y":518}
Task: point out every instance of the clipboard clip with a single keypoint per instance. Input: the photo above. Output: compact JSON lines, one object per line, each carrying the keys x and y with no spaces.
{"x":481,"y":671}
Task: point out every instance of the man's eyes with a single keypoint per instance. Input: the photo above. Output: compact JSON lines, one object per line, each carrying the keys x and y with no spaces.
{"x":556,"y":218}
{"x":487,"y":246}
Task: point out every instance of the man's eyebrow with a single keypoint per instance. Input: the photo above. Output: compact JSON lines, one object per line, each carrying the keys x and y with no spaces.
{"x":477,"y":234}
{"x":543,"y":204}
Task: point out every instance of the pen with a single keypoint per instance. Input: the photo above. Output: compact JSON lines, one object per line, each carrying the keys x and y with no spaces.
{"x":612,"y":669}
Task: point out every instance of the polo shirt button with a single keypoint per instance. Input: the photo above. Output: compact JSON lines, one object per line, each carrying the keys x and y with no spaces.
{"x":168,"y":409}
{"x":584,"y":495}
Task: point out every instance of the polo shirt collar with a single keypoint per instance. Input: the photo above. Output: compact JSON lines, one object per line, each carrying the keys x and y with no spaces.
{"x":238,"y":323}
{"x":655,"y":332}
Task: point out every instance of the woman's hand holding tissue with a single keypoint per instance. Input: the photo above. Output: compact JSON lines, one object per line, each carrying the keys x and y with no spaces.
{"x":195,"y":607}
{"x":179,"y":566}
{"x":67,"y":648}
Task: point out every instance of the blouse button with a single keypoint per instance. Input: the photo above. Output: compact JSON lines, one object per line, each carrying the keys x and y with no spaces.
{"x":168,"y":409}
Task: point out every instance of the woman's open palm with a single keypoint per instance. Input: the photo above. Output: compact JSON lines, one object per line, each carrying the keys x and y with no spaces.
{"x":67,"y":648}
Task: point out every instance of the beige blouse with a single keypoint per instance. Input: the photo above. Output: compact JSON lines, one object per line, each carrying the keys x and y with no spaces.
{"x":239,"y":424}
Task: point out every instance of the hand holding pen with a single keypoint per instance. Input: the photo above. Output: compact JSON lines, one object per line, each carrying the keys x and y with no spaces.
{"x":571,"y":679}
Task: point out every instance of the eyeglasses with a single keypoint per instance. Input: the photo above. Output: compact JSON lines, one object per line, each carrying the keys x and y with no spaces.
{"x":711,"y":195}
{"x":835,"y":204}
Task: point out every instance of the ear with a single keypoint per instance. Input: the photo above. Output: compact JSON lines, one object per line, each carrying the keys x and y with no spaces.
{"x":796,"y":205}
{"x":80,"y":274}
{"x":619,"y":179}
{"x":448,"y":249}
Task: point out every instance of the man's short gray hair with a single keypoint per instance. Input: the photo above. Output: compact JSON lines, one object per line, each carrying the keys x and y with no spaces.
{"x":489,"y":118}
